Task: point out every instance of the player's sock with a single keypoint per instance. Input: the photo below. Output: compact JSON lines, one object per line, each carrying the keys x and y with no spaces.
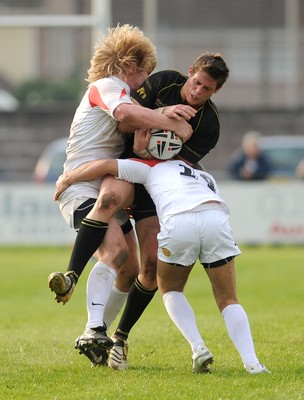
{"x":89,"y":238}
{"x":114,"y":305}
{"x":239,"y":332}
{"x":99,"y":288}
{"x":138,"y":299}
{"x":183,"y":316}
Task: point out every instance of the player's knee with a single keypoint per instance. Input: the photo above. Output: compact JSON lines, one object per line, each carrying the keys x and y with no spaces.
{"x":108,"y":200}
{"x":121,"y":256}
{"x":148,"y":273}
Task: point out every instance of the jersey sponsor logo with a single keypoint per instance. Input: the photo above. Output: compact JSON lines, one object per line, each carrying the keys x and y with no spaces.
{"x":166,"y":252}
{"x":142,"y":93}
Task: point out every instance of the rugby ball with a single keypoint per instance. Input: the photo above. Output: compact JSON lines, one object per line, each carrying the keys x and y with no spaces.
{"x":164,"y":144}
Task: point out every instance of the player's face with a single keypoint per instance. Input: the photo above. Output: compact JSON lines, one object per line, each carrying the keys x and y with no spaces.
{"x":136,"y":78}
{"x":198,"y":88}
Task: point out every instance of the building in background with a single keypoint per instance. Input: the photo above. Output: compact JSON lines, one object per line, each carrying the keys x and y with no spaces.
{"x":262,"y":41}
{"x":46,"y":47}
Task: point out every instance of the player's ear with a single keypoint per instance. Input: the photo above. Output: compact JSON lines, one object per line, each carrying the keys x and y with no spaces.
{"x":133,"y":67}
{"x":190,"y":70}
{"x":217,"y":89}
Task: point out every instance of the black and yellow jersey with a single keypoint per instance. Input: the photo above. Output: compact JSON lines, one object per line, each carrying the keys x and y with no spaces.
{"x":164,"y":89}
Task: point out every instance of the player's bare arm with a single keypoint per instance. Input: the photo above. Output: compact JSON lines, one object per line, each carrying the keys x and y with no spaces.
{"x":132,"y":117}
{"x":141,"y":140}
{"x":86,"y":172}
{"x":179,"y":111}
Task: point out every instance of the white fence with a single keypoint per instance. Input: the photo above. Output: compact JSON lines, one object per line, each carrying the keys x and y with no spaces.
{"x":264,"y":212}
{"x":29,"y":216}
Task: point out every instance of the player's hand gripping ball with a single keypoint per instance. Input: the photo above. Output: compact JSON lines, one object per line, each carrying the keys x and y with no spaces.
{"x":164,"y":144}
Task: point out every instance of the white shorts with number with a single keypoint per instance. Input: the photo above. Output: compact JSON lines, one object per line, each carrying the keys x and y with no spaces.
{"x":205,"y":235}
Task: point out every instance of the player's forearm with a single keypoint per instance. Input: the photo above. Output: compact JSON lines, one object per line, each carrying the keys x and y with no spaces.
{"x":92,"y":170}
{"x":86,"y":172}
{"x":134,"y":117}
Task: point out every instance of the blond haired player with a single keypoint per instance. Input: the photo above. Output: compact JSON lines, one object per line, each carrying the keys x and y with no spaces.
{"x":179,"y":97}
{"x":121,"y":63}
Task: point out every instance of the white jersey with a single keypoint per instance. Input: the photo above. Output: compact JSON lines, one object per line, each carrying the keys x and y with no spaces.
{"x":173,"y":185}
{"x":193,"y":217}
{"x":93,"y":136}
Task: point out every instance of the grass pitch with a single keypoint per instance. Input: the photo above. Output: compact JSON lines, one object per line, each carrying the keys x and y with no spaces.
{"x":38,"y":360}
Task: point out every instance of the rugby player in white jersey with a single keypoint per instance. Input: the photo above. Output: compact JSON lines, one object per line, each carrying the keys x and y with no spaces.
{"x":120,"y":64}
{"x":191,"y":229}
{"x":176,"y":96}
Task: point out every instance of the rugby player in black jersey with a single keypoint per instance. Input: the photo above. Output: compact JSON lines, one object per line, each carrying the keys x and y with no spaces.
{"x":176,"y":96}
{"x":168,"y":90}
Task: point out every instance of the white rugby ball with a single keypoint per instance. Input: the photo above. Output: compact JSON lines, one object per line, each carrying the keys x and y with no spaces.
{"x":164,"y":144}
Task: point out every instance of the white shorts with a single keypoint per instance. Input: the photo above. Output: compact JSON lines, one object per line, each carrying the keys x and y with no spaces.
{"x":205,"y":235}
{"x":70,"y":207}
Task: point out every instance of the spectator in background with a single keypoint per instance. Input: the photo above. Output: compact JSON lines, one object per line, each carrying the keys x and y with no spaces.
{"x":250,"y":163}
{"x":299,"y":172}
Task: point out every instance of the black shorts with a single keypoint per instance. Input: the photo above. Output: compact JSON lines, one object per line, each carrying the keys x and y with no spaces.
{"x":83,"y":210}
{"x":143,"y":205}
{"x":218,"y":263}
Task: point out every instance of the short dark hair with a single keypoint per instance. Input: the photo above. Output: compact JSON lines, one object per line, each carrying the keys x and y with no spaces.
{"x":214,"y":65}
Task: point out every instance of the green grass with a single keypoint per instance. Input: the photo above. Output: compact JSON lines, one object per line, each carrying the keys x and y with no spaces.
{"x":38,"y":360}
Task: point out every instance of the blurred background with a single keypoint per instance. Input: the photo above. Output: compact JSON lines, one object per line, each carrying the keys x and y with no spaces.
{"x":46,"y":47}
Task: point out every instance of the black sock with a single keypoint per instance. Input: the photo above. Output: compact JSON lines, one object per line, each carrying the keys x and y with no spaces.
{"x":89,"y":238}
{"x":138,"y":299}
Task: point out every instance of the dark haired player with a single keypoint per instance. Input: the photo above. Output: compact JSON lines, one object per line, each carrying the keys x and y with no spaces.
{"x":175,"y":95}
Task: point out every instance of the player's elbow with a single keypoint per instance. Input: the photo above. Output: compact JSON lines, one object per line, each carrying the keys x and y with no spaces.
{"x":123,"y":113}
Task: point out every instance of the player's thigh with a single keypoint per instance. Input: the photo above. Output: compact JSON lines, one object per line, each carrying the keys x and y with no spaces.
{"x":223,"y":282}
{"x":114,"y":195}
{"x":171,"y":277}
{"x":124,"y":191}
{"x":129,"y":270}
{"x":147,"y":230}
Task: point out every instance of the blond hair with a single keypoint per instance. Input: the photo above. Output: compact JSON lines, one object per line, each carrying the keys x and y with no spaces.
{"x":122,"y":46}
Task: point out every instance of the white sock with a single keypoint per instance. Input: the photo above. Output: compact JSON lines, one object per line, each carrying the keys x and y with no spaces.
{"x":99,"y":288}
{"x":181,"y":313}
{"x":239,"y":332}
{"x":115,"y":303}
